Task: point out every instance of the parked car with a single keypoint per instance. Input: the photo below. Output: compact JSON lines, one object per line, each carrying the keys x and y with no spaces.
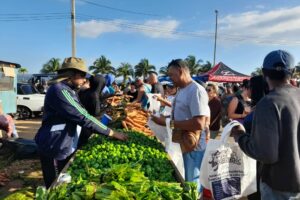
{"x":29,"y":101}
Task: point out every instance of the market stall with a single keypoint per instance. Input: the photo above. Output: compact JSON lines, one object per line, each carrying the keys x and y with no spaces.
{"x":223,"y":73}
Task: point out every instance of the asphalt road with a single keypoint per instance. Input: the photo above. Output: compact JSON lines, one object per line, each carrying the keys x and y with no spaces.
{"x":28,"y":128}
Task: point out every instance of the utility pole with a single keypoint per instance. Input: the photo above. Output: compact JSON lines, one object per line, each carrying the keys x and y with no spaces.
{"x":216,"y":33}
{"x":73,"y":29}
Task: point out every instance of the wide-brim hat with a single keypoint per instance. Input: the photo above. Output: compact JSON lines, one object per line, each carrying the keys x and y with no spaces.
{"x":74,"y":63}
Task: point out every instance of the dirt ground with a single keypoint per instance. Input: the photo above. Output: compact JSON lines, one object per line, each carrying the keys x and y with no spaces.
{"x":16,"y":174}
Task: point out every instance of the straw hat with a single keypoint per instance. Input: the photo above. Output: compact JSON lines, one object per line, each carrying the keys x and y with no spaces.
{"x":74,"y":63}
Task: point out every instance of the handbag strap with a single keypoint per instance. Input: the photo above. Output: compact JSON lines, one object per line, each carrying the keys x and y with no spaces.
{"x":214,"y":121}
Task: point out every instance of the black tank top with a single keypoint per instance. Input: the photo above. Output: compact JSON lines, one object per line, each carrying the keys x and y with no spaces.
{"x":241,"y":105}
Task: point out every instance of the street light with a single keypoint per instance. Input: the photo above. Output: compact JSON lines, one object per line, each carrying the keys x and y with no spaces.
{"x":216,"y":32}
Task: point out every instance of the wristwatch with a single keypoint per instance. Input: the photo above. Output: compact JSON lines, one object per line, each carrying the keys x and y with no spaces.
{"x":172,"y":124}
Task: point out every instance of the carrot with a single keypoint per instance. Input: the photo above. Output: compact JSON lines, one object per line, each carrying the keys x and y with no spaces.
{"x":124,"y":125}
{"x":133,"y":123}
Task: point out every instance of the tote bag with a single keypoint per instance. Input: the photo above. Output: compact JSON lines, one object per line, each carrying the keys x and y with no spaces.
{"x":226,"y":170}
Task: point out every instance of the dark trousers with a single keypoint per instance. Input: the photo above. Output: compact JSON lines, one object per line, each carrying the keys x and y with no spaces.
{"x":50,"y":169}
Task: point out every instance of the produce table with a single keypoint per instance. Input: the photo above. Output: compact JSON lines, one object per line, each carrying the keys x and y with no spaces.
{"x":110,"y":169}
{"x":138,"y":168}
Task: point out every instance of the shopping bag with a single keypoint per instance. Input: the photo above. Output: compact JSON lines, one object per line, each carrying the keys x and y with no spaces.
{"x":226,"y":170}
{"x":159,"y":131}
{"x":174,"y":149}
{"x":154,"y":105}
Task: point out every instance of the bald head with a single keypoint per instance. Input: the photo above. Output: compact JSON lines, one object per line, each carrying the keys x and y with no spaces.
{"x":152,"y":79}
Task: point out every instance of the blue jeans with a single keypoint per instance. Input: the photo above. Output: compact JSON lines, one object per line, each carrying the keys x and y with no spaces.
{"x":192,"y":163}
{"x":267,"y":193}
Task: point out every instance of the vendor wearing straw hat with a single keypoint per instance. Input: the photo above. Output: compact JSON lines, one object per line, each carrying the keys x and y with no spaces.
{"x":63,"y":118}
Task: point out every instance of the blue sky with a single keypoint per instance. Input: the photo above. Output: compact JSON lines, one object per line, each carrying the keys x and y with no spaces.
{"x":34,"y":31}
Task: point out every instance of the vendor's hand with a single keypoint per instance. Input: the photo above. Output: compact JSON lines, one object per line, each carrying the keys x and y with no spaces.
{"x":159,"y":120}
{"x":119,"y":136}
{"x":236,"y":132}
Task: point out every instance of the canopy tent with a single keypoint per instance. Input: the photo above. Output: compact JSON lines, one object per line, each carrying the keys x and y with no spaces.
{"x":223,"y":73}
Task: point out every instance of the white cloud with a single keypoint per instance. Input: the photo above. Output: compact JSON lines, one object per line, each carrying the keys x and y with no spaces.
{"x":280,"y":26}
{"x":93,"y":28}
{"x":160,"y":28}
{"x":150,"y":28}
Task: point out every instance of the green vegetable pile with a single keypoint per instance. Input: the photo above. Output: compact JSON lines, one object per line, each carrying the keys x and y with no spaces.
{"x":125,"y":182}
{"x":24,"y":194}
{"x":108,"y":169}
{"x":102,"y":152}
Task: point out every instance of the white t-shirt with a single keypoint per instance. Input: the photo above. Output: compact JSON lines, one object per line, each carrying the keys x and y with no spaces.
{"x":192,"y":101}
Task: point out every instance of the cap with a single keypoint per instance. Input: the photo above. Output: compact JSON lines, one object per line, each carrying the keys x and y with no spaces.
{"x":74,"y":63}
{"x":279,"y":60}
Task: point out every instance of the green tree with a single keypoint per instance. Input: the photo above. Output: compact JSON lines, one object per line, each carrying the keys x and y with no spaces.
{"x":102,"y":65}
{"x":164,"y":71}
{"x":22,"y":70}
{"x":296,"y":73}
{"x":258,"y":71}
{"x":125,"y":70}
{"x":143,"y":67}
{"x":205,"y":67}
{"x":193,"y":64}
{"x":51,"y":66}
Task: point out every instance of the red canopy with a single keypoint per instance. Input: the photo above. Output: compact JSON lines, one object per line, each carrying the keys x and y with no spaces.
{"x":222,"y":73}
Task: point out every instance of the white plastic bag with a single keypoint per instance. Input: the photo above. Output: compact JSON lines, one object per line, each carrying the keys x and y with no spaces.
{"x":159,"y":131}
{"x":154,"y":104}
{"x":226,"y":170}
{"x":174,"y":149}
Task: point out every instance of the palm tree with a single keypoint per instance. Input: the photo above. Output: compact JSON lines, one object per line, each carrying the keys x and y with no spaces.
{"x":51,"y":66}
{"x":205,"y":67}
{"x":164,"y":71}
{"x":296,"y":73}
{"x":22,"y":70}
{"x":102,"y":65}
{"x":193,"y":64}
{"x":125,"y":70}
{"x":258,"y":71}
{"x":143,"y":67}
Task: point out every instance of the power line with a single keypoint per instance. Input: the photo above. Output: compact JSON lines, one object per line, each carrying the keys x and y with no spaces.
{"x":33,"y":19}
{"x":27,"y":17}
{"x":223,"y":37}
{"x":15,"y":14}
{"x":118,"y":9}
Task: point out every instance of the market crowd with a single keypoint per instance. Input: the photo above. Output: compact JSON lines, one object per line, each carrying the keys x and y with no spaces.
{"x":267,"y":105}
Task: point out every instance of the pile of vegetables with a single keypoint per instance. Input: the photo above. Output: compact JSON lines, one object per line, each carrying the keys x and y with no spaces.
{"x":128,"y":115}
{"x":108,"y":169}
{"x":24,"y":194}
{"x":136,"y":119}
{"x":102,"y":152}
{"x":125,"y":182}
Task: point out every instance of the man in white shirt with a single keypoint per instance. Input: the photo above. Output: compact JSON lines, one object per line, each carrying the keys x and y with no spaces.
{"x":190,"y":109}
